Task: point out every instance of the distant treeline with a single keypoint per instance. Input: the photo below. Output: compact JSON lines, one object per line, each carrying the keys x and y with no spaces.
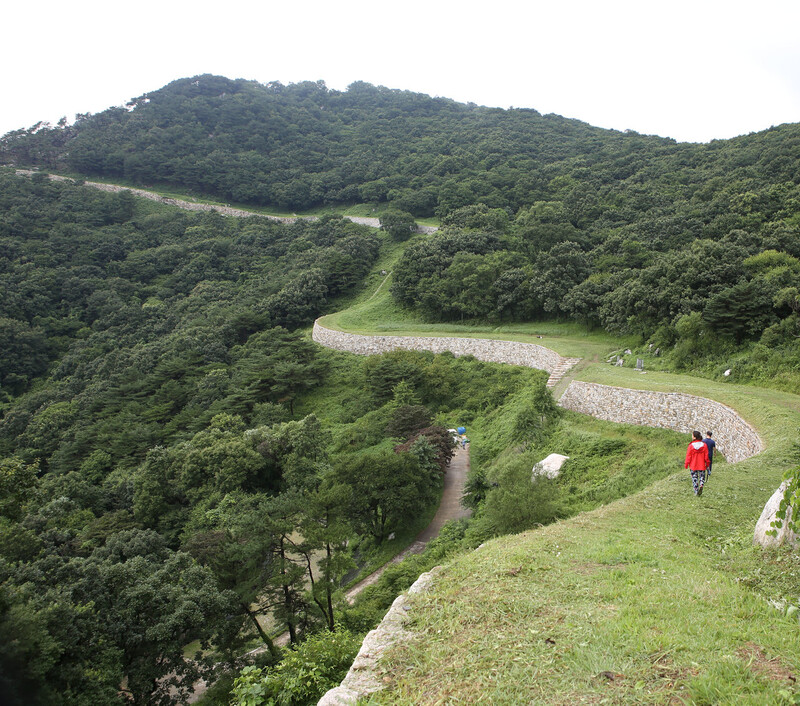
{"x":304,"y":145}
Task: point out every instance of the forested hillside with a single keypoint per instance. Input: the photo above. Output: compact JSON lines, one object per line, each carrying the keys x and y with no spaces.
{"x":693,"y":247}
{"x":304,"y":145}
{"x":138,"y":345}
{"x":184,"y":474}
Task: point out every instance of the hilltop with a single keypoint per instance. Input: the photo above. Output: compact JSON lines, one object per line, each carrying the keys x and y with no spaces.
{"x":303,"y":145}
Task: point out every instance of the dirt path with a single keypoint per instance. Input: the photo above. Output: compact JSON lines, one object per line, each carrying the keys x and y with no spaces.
{"x":450,"y":508}
{"x":383,"y":281}
{"x":224,"y":210}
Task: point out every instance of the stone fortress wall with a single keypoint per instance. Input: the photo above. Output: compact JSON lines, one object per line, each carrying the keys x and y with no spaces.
{"x":526,"y":354}
{"x":681,"y":412}
{"x":736,"y":439}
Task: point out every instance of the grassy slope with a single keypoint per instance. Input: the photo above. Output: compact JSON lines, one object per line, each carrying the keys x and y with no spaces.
{"x":374,"y":311}
{"x":635,"y":602}
{"x":655,"y":598}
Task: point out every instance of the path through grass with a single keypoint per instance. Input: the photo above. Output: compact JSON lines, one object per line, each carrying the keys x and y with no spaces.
{"x":656,"y":598}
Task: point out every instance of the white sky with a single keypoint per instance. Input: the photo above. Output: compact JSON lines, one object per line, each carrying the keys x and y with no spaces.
{"x":692,"y":70}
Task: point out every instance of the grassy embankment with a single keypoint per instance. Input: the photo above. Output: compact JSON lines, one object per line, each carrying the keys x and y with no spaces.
{"x":656,"y":598}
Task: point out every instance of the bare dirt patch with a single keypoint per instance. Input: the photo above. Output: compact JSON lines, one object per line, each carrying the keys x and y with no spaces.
{"x":663,"y":681}
{"x":772,"y":669}
{"x":669,"y":677}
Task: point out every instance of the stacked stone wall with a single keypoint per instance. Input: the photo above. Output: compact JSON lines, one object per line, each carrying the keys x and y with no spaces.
{"x":736,"y":439}
{"x":224,"y":210}
{"x":364,"y":676}
{"x":526,"y":354}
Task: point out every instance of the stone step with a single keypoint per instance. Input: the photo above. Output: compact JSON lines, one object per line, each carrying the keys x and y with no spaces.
{"x":560,"y":370}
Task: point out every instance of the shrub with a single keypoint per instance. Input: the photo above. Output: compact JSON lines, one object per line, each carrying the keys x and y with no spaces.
{"x":398,"y":224}
{"x":789,"y":501}
{"x":519,"y":502}
{"x":304,"y":675}
{"x":438,"y":439}
{"x":537,"y":415}
{"x":406,"y":420}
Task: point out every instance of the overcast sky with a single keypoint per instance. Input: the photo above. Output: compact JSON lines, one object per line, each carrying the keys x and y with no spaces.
{"x":694,"y":71}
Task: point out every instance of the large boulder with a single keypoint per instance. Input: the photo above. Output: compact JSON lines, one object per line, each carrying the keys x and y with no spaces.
{"x":764,"y":524}
{"x":550,"y":466}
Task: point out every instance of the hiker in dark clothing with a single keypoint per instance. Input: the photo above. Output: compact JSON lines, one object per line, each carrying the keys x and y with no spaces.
{"x":697,"y":462}
{"x":710,"y":445}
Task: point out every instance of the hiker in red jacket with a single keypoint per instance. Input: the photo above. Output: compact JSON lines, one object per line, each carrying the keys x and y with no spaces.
{"x":697,"y":461}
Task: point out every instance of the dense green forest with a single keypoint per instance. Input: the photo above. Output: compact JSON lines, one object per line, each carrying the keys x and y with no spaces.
{"x":181,"y":477}
{"x":304,"y":145}
{"x":176,"y":470}
{"x":693,"y":247}
{"x":694,"y":301}
{"x":184,"y":474}
{"x":150,"y":373}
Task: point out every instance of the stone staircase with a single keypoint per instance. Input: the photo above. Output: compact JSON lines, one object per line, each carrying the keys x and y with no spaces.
{"x":560,"y":370}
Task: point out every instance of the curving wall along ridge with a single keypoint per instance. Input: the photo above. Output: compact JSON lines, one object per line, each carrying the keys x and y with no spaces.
{"x":736,"y":439}
{"x":526,"y":354}
{"x":680,"y":412}
{"x":224,"y":210}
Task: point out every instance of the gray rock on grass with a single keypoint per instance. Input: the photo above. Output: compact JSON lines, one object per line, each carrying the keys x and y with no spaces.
{"x":764,"y":524}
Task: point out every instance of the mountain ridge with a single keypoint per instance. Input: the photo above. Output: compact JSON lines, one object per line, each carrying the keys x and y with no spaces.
{"x":302,"y":145}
